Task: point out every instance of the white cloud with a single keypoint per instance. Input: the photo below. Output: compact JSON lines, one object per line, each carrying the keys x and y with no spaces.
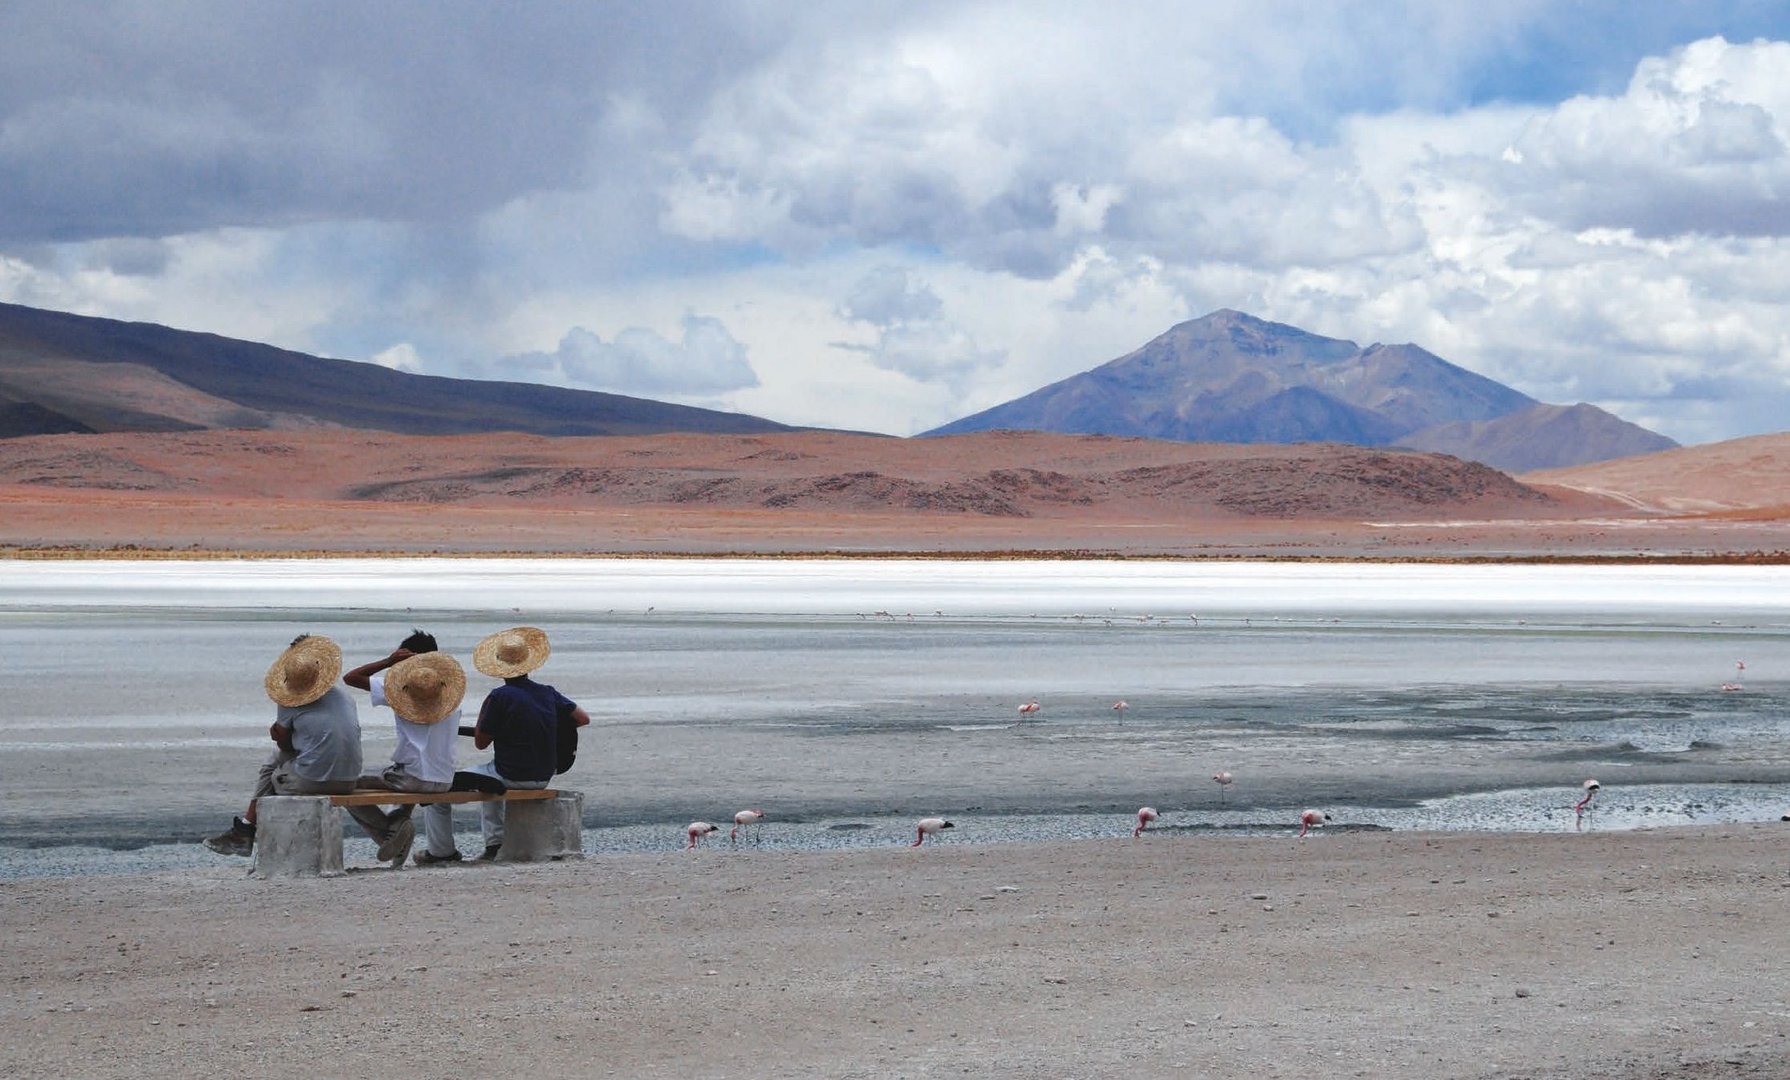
{"x":704,"y":362}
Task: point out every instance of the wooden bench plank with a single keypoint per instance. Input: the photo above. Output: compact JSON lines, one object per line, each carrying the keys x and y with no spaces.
{"x":377,"y":797}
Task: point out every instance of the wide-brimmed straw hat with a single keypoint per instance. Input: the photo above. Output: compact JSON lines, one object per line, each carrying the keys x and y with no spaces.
{"x":509,"y":653}
{"x":425,"y":688}
{"x":305,"y":671}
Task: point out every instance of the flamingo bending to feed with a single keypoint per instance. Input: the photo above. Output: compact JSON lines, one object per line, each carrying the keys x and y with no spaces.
{"x":1592,"y":787}
{"x":1311,"y":819}
{"x":1145,"y":815}
{"x":744,"y":819}
{"x":1223,"y":780}
{"x":1029,"y":707}
{"x":927,"y":827}
{"x":696,"y":830}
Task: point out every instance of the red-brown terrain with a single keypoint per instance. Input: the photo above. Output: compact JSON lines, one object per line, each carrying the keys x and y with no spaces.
{"x":356,"y":491}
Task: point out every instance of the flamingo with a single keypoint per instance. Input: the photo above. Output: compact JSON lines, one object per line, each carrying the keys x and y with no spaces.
{"x":1583,"y":806}
{"x":1730,"y":687}
{"x":1029,"y":707}
{"x":745,"y":818}
{"x":1145,"y":815}
{"x":696,"y":830}
{"x":1120,"y":706}
{"x":928,"y":826}
{"x":1223,"y":780}
{"x":1311,"y":819}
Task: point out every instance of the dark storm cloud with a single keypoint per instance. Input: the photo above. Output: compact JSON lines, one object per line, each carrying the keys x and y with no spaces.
{"x":149,"y":119}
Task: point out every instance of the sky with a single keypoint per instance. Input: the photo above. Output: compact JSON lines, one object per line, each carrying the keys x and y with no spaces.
{"x":886,"y":216}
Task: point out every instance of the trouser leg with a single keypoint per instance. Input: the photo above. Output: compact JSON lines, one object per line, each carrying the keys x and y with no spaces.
{"x":490,"y":813}
{"x":438,"y":828}
{"x":373,"y":820}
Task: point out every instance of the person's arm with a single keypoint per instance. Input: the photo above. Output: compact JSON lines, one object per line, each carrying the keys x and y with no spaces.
{"x":361,"y":678}
{"x":481,"y":734}
{"x":282,"y":735}
{"x":579,"y":716}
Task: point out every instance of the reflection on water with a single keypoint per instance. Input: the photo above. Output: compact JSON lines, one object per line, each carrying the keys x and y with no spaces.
{"x":846,"y":694}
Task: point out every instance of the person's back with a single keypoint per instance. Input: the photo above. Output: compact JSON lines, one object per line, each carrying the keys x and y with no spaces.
{"x":325,"y":737}
{"x":521,"y":718}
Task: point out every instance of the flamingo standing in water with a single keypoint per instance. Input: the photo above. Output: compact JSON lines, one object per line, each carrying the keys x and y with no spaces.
{"x":1583,"y":806}
{"x":1029,"y":707}
{"x":1119,"y":707}
{"x":1311,"y":819}
{"x":1145,"y":815}
{"x":745,"y":819}
{"x":927,"y":827}
{"x":1223,"y":780}
{"x":1730,"y":687}
{"x":696,"y":830}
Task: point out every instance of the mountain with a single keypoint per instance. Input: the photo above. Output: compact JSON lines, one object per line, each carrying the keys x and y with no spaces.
{"x":1540,"y":437}
{"x":62,"y":373}
{"x":1230,"y":377}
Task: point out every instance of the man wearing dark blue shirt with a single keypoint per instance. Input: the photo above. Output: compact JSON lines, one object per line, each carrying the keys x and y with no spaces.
{"x":521,"y":719}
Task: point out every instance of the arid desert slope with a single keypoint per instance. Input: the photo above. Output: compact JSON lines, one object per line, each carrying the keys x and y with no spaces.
{"x":810,"y":492}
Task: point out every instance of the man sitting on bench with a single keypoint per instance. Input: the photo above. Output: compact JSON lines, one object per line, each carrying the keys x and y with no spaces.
{"x":316,"y":734}
{"x":423,"y":687}
{"x":521,"y":719}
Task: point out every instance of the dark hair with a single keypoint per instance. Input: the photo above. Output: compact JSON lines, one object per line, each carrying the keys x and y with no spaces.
{"x":419,"y":642}
{"x":298,"y":639}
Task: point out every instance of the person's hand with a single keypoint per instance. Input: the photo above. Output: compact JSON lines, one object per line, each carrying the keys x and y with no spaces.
{"x":398,"y":657}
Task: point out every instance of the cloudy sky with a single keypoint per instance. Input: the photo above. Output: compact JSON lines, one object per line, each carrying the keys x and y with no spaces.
{"x":885,"y":216}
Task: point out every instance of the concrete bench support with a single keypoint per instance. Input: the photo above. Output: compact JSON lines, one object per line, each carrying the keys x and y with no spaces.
{"x":297,"y":836}
{"x":544,"y":829}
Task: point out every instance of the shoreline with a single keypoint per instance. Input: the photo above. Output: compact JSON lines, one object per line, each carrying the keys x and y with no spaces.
{"x":145,"y":553}
{"x":1625,"y":956}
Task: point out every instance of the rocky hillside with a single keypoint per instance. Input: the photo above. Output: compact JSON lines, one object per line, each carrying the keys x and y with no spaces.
{"x":990,"y":475}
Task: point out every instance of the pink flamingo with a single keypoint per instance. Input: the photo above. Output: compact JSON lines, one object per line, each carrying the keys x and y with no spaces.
{"x":1311,"y":819}
{"x":696,"y":830}
{"x":1730,"y":687}
{"x":1120,"y":706}
{"x":1223,"y":780}
{"x":1145,"y":815}
{"x":927,"y":827}
{"x":1583,"y":806}
{"x":743,"y":819}
{"x":1029,"y":707}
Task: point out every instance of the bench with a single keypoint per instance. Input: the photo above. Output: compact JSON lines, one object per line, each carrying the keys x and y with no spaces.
{"x":301,"y":835}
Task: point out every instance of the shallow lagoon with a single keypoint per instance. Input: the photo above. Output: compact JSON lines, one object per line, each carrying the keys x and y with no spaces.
{"x":848,"y":697}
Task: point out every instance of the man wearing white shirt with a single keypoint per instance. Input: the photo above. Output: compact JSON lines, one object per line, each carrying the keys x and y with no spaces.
{"x":423,"y":688}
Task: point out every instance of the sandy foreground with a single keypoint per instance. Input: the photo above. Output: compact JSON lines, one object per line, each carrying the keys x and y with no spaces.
{"x":1634,"y":955}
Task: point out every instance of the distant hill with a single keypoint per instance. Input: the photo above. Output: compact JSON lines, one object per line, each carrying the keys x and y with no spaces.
{"x":64,"y":374}
{"x":1739,"y":478}
{"x":1230,"y":377}
{"x":1540,"y":437}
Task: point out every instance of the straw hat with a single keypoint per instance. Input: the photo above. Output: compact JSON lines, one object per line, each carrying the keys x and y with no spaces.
{"x":509,"y":653}
{"x":305,"y":671}
{"x":424,"y":688}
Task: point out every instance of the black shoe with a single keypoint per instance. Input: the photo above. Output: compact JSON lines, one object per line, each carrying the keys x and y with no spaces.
{"x":427,"y":858}
{"x":490,"y":854}
{"x":397,"y":846}
{"x":240,"y":840}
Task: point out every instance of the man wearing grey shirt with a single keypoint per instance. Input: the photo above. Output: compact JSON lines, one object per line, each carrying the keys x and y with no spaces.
{"x":316,"y":732}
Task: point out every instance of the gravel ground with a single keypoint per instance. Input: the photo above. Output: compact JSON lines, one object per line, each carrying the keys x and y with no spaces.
{"x":1641,"y":955}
